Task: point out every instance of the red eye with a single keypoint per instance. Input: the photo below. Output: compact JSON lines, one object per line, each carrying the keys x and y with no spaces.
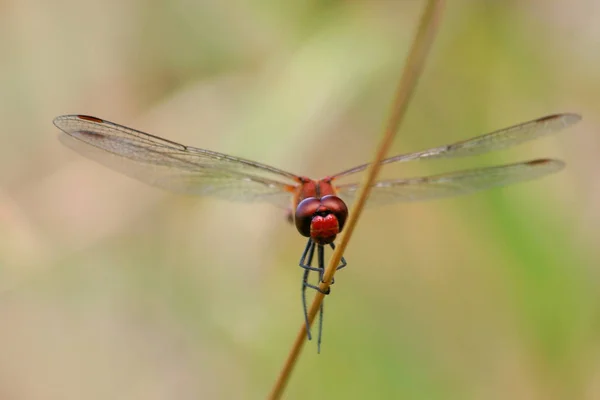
{"x":304,"y":214}
{"x":337,"y":207}
{"x":321,"y":219}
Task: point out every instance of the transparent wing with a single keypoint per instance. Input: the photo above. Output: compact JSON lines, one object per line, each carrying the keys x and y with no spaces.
{"x":497,"y":140}
{"x":173,"y":166}
{"x":452,"y":184}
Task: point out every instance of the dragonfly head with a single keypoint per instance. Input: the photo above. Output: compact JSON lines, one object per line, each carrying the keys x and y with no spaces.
{"x":321,"y":219}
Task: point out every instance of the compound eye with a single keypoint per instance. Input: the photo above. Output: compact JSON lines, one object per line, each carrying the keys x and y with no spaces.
{"x":337,"y":207}
{"x":304,"y":214}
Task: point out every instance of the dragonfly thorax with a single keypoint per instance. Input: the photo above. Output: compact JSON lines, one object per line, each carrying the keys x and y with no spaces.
{"x":321,"y":219}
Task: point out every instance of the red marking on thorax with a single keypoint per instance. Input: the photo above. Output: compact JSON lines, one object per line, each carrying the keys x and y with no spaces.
{"x":310,"y":188}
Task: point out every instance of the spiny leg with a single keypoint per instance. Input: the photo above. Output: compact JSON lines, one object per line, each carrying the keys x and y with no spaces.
{"x":342,"y":262}
{"x":309,"y":251}
{"x":309,"y":245}
{"x":306,"y":264}
{"x":321,"y":260}
{"x":304,"y":306}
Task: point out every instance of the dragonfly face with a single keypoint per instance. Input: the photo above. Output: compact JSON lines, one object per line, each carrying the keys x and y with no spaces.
{"x":321,"y":219}
{"x":318,"y":213}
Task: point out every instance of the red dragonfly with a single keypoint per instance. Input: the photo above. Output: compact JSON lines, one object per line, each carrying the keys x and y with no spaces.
{"x":315,"y":206}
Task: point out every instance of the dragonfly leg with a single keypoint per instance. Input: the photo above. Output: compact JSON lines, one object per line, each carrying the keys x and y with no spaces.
{"x":320,"y":337}
{"x":309,"y":251}
{"x":343,"y":263}
{"x":321,"y":261}
{"x":318,"y":289}
{"x":304,"y":306}
{"x":305,"y":262}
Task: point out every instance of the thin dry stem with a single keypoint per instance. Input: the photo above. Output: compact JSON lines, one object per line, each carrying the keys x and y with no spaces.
{"x":410,"y":75}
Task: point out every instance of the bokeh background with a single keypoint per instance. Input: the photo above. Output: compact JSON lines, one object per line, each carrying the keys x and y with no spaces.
{"x":111,"y":289}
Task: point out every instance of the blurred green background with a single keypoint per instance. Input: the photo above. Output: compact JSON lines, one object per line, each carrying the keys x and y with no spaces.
{"x":111,"y":289}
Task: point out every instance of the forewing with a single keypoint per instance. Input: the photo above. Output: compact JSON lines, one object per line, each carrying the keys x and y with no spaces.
{"x":174,"y":166}
{"x":497,"y":140}
{"x":452,"y":184}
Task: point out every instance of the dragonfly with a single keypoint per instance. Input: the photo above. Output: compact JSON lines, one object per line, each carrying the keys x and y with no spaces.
{"x":318,"y":208}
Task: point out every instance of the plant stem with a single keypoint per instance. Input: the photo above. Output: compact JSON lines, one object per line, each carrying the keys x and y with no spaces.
{"x":410,"y":75}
